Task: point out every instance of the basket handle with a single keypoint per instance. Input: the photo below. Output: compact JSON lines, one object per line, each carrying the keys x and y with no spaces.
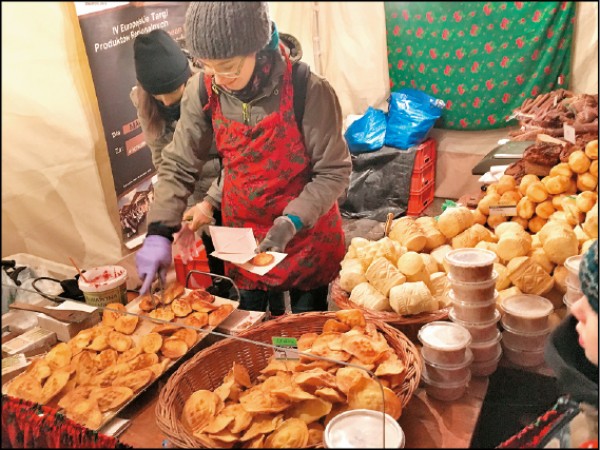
{"x":187,"y":279}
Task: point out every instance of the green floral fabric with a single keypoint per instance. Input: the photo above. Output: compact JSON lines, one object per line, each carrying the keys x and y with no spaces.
{"x":482,"y":58}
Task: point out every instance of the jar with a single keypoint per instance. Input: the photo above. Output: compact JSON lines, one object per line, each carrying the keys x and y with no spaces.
{"x":443,"y":342}
{"x":486,"y":368}
{"x":526,"y":313}
{"x":363,"y":428}
{"x":470,"y":264}
{"x":487,"y":350}
{"x":474,"y":292}
{"x":525,"y":341}
{"x":572,"y":264}
{"x":473,"y":312}
{"x":445,"y":391}
{"x":480,"y":331}
{"x":448,"y":373}
{"x":524,"y":358}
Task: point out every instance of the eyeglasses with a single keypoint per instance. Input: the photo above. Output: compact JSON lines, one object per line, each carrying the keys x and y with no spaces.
{"x":235,"y":74}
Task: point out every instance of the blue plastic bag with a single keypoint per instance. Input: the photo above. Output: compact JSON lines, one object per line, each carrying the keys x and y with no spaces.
{"x":411,"y":114}
{"x":367,"y":134}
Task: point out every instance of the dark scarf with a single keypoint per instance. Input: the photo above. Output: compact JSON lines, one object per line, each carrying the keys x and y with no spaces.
{"x":169,"y":113}
{"x":260,"y":76}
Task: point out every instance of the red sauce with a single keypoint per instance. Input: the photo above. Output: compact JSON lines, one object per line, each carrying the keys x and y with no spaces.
{"x":104,"y":277}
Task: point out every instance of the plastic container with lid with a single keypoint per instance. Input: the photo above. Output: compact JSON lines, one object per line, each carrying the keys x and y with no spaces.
{"x":480,"y":331}
{"x":473,"y":312}
{"x":104,"y":285}
{"x":524,"y":358}
{"x":487,"y":350}
{"x":526,"y":313}
{"x":470,"y":264}
{"x":474,"y":292}
{"x":573,"y":293}
{"x":486,"y":368}
{"x":363,"y":428}
{"x":525,"y":341}
{"x":444,"y":390}
{"x":572,"y":264}
{"x":451,"y":373}
{"x":443,"y":342}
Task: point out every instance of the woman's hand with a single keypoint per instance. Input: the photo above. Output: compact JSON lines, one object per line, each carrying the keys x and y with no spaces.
{"x":198,"y":215}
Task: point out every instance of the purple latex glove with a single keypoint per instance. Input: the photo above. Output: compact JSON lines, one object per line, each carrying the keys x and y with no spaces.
{"x":282,"y":232}
{"x":154,"y":257}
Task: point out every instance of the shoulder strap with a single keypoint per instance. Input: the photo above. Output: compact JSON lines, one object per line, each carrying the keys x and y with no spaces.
{"x":300,"y":77}
{"x":203,"y":96}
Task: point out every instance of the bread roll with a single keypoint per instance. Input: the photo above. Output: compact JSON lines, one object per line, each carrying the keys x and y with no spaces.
{"x":590,"y":224}
{"x":412,"y":298}
{"x":523,"y":222}
{"x":528,"y":276}
{"x":434,"y":236}
{"x":439,"y":254}
{"x":411,"y":263}
{"x":491,"y":199}
{"x":572,"y":189}
{"x":525,"y":208}
{"x":558,"y":215}
{"x":557,"y":185}
{"x":513,"y":243}
{"x":535,"y":241}
{"x":491,"y":246}
{"x":559,"y":241}
{"x":572,"y":213}
{"x":540,"y":257}
{"x":586,"y":201}
{"x":494,"y":221}
{"x":471,"y":236}
{"x":408,"y":233}
{"x":557,"y":201}
{"x":479,"y":217}
{"x":526,"y":181}
{"x":594,"y":168}
{"x":510,"y":198}
{"x":536,"y":192}
{"x":591,"y":149}
{"x":586,"y":182}
{"x":491,"y":189}
{"x":536,"y":223}
{"x":364,"y":294}
{"x":508,"y":227}
{"x":586,"y":245}
{"x":579,"y":162}
{"x":454,"y":221}
{"x":503,"y":280}
{"x":382,"y":275}
{"x":560,"y":278}
{"x":506,"y":183}
{"x":544,"y":209}
{"x":561,"y":169}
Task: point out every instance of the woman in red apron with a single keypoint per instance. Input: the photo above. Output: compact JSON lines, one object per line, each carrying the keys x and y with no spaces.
{"x":280,"y":181}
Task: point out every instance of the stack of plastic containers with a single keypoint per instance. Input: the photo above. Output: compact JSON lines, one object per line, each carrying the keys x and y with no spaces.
{"x":473,"y":294}
{"x":446,"y":359}
{"x":574,"y":292}
{"x":526,"y":328}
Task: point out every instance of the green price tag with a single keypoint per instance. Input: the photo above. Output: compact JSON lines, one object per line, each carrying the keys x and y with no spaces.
{"x":289,"y":350}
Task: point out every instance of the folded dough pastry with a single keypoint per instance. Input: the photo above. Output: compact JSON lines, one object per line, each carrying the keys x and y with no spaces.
{"x":367,"y":296}
{"x":412,"y":298}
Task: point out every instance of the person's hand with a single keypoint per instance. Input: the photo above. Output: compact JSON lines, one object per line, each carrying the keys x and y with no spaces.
{"x":184,"y":243}
{"x":198,"y":215}
{"x":282,"y":232}
{"x":153,"y":258}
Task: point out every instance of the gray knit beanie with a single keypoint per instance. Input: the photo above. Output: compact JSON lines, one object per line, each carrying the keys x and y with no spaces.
{"x":221,"y":30}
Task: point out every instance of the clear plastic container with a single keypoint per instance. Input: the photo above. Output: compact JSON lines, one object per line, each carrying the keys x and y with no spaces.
{"x":526,"y":313}
{"x":470,"y":264}
{"x":362,"y":428}
{"x":573,"y":293}
{"x":524,"y":358}
{"x":473,"y":312}
{"x":572,"y":265}
{"x":530,"y":342}
{"x":474,"y":292}
{"x":453,"y":373}
{"x":444,"y":343}
{"x":480,"y":331}
{"x":486,"y":368}
{"x":445,"y":391}
{"x":487,"y":350}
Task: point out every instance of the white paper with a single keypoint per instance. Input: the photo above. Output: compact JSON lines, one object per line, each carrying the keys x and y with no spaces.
{"x":77,"y":306}
{"x":236,"y":258}
{"x":261,"y":270}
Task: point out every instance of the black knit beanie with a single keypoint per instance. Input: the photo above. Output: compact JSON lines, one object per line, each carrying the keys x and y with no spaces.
{"x":160,"y":64}
{"x":222,"y":30}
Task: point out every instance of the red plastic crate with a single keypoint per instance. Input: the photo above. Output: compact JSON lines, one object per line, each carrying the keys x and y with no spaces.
{"x":423,"y":177}
{"x":420,"y":200}
{"x":426,"y":153}
{"x":199,"y":262}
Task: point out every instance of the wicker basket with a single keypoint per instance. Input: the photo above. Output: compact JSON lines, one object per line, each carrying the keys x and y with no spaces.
{"x":342,"y":300}
{"x":207,"y":368}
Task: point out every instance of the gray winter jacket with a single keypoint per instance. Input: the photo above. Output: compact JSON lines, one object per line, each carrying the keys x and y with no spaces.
{"x":321,"y":128}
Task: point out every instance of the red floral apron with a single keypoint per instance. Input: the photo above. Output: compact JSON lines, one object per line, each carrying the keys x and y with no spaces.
{"x":265,"y":167}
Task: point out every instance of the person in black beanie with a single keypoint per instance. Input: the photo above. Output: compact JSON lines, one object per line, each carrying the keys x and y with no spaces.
{"x":282,"y":179}
{"x":162,"y":71}
{"x":572,"y":353}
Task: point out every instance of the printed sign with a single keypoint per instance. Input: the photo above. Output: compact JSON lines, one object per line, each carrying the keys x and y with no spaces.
{"x":109,"y":30}
{"x":288,"y":347}
{"x":503,"y":210}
